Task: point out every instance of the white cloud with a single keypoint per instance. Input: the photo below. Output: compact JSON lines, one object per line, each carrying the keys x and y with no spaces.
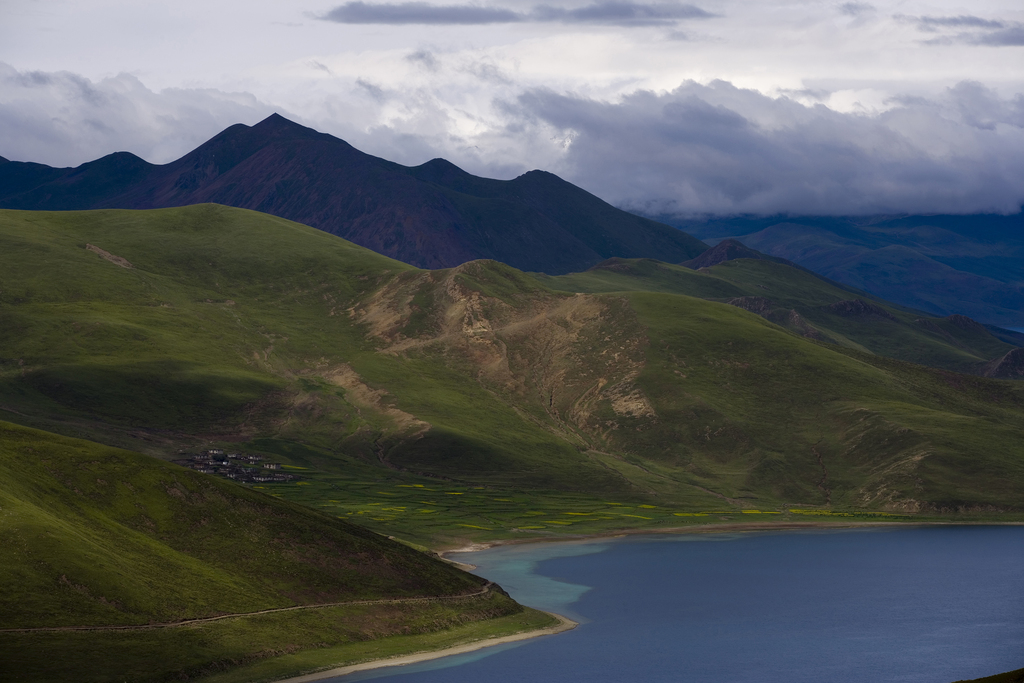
{"x":720,"y":149}
{"x":64,"y":119}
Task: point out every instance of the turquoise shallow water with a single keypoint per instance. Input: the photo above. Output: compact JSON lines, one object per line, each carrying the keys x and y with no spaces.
{"x":914,"y":605}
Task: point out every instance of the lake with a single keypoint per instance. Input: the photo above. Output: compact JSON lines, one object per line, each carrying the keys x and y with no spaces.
{"x":921,"y":605}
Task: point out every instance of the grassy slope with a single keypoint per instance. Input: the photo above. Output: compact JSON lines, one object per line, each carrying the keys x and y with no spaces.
{"x":231,"y":320}
{"x":910,"y":335}
{"x":761,"y":406}
{"x":99,"y":536}
{"x":398,"y":393}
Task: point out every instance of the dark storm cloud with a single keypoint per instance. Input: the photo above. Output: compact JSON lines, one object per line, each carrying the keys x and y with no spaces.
{"x":1010,"y":36}
{"x":968,"y":30}
{"x":609,"y":13}
{"x":419,"y":13}
{"x":720,"y":149}
{"x":620,"y":14}
{"x":962,"y":21}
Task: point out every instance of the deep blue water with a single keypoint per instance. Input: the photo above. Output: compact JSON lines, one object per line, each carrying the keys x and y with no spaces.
{"x":921,"y":605}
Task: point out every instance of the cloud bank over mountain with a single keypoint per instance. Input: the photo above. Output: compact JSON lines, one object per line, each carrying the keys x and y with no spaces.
{"x":712,"y":106}
{"x":699,"y":148}
{"x":720,"y":149}
{"x":62,"y":118}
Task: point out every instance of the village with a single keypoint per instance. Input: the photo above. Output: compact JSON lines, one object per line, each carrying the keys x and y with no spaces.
{"x":240,"y":467}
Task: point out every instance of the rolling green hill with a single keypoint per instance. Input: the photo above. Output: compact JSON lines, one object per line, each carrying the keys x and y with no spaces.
{"x":115,"y":541}
{"x":478,"y":402}
{"x":811,"y":306}
{"x":445,"y":406}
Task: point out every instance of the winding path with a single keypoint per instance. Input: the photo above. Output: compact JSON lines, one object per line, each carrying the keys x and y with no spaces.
{"x":188,"y":622}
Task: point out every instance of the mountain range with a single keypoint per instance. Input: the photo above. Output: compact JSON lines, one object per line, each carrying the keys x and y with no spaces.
{"x":969,"y":265}
{"x":432,"y":216}
{"x":436,"y":216}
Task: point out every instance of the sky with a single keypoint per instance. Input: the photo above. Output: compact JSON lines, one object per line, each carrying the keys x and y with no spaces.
{"x":709,"y":107}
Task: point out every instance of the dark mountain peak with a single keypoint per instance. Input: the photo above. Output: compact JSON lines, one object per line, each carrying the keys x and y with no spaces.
{"x":4,"y":161}
{"x":727,"y":250}
{"x":440,"y":165}
{"x":442,"y":172}
{"x":537,"y":177}
{"x":537,"y":173}
{"x":116,"y":163}
{"x":278,"y":126}
{"x":239,"y":142}
{"x":277,"y":121}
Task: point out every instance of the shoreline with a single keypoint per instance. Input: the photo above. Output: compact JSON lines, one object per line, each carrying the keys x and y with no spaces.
{"x":564,"y":624}
{"x":732,"y":527}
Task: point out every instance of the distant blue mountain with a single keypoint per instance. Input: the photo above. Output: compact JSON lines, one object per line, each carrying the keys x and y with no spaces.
{"x":970,"y":265}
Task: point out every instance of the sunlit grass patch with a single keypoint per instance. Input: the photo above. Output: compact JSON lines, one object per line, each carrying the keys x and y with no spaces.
{"x":838,"y":513}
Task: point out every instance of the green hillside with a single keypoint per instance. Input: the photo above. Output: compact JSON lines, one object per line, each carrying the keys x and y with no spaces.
{"x":478,"y":402}
{"x":807,"y":305}
{"x":101,"y":537}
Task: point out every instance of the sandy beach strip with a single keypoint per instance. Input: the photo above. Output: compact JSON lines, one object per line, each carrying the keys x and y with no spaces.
{"x":564,"y":624}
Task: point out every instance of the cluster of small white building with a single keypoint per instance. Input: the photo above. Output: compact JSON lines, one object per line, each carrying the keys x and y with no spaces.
{"x":241,"y":467}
